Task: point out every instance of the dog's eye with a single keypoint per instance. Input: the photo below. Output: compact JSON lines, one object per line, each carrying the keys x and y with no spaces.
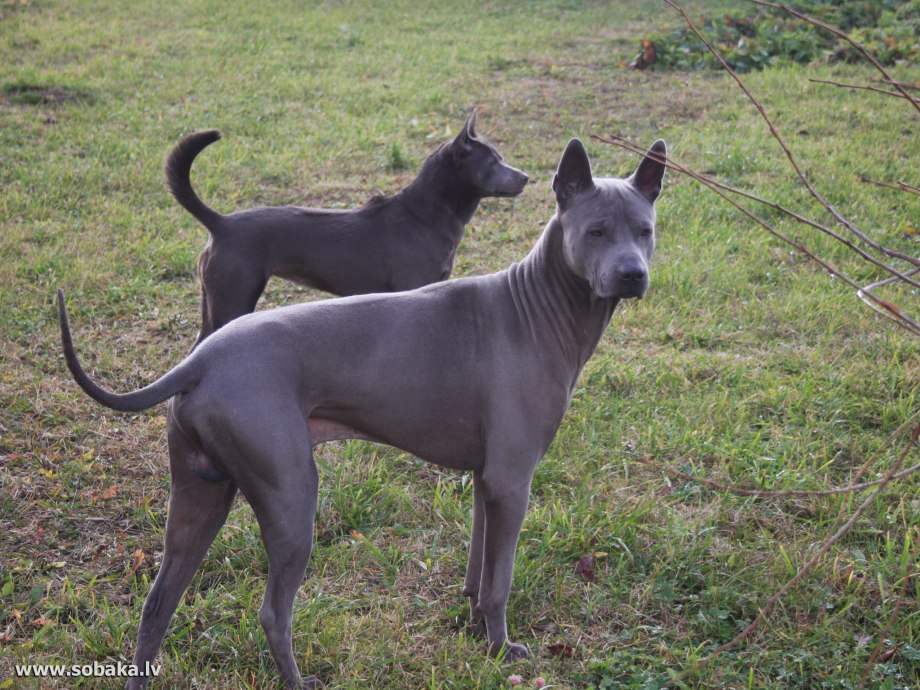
{"x":646,"y":232}
{"x":596,"y":232}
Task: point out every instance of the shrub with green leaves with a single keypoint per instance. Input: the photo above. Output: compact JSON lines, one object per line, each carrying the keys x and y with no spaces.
{"x":894,"y":37}
{"x":890,"y":30}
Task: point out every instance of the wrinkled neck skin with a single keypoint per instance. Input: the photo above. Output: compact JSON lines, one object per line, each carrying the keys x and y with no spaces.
{"x":557,"y":305}
{"x":438,"y":188}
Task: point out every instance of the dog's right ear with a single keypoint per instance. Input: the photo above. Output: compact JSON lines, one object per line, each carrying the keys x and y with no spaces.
{"x":470,"y":125}
{"x":573,"y":176}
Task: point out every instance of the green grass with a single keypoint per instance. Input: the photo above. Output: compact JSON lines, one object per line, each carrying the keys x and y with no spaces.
{"x":745,"y":363}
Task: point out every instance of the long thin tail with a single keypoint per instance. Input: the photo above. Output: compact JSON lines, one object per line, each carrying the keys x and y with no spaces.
{"x":181,"y":378}
{"x":178,"y":167}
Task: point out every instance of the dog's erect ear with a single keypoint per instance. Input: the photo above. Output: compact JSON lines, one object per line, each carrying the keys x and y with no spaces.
{"x":573,"y":176}
{"x":463,"y":142}
{"x":470,"y":125}
{"x":648,"y":176}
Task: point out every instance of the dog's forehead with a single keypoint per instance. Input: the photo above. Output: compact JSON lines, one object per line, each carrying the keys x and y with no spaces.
{"x":615,"y":200}
{"x":485,"y":145}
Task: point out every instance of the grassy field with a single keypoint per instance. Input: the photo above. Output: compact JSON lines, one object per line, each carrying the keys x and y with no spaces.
{"x":745,"y":363}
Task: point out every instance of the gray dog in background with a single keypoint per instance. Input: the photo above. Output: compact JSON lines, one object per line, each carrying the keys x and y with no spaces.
{"x":473,"y":374}
{"x":392,"y":243}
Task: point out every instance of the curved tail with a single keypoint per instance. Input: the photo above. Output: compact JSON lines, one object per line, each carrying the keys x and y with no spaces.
{"x":178,"y":167}
{"x":183,"y":377}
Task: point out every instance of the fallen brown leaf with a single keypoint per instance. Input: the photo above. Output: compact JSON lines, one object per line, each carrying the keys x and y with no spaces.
{"x":585,"y":567}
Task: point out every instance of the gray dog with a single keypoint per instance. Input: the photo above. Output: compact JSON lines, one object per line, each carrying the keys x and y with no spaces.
{"x":392,"y":243}
{"x":472,"y":374}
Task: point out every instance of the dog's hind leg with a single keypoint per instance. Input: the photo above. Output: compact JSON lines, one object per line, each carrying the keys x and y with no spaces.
{"x":283,"y":496}
{"x":229,"y":289}
{"x":197,"y":510}
{"x":474,"y":564}
{"x":207,"y":323}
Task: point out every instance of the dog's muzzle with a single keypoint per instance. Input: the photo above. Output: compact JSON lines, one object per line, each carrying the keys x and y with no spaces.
{"x":629,"y":280}
{"x":514,"y":186}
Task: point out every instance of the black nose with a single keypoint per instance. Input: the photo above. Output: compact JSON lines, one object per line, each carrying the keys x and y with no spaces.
{"x":632,"y":273}
{"x":525,"y":177}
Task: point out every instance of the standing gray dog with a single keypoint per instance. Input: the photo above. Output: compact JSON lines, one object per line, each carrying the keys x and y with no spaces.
{"x":472,"y":374}
{"x":392,"y":243}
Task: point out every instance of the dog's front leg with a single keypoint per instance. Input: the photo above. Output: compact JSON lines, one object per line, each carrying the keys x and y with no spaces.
{"x":504,"y":500}
{"x":474,"y":564}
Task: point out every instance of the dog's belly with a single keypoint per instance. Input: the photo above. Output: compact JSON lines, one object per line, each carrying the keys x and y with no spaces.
{"x":323,"y":430}
{"x":438,"y":446}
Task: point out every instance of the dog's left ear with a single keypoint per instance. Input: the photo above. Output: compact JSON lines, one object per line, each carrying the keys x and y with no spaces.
{"x":463,"y":143}
{"x":648,"y":176}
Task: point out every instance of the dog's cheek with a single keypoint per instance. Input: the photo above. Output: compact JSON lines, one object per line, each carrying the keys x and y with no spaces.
{"x":575,"y":260}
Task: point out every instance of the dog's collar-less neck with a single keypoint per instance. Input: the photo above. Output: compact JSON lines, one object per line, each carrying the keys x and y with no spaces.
{"x":551,"y":298}
{"x":437,"y":187}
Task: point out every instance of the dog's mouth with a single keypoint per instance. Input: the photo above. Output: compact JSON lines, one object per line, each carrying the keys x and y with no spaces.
{"x":504,"y":194}
{"x":512,"y":192}
{"x":619,"y":290}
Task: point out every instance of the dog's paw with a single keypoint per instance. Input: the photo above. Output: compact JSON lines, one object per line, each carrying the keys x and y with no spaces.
{"x":509,"y":652}
{"x":515,"y":651}
{"x":312,"y":683}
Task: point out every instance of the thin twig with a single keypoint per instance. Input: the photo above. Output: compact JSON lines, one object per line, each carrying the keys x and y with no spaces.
{"x":805,"y":569}
{"x":900,"y":186}
{"x":805,"y":221}
{"x":909,"y":187}
{"x":822,"y":228}
{"x":846,"y":37}
{"x":889,"y":281}
{"x":906,"y":424}
{"x":853,"y":487}
{"x":789,"y":155}
{"x":896,"y":94}
{"x":885,"y":308}
{"x":799,"y":218}
{"x":796,"y":216}
{"x":915,"y":87}
{"x":766,"y":493}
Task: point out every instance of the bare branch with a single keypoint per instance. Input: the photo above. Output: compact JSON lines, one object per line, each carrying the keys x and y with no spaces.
{"x":886,"y":308}
{"x":908,"y":187}
{"x":766,"y":493}
{"x":846,"y":37}
{"x":888,"y":281}
{"x":895,"y":472}
{"x":718,"y":188}
{"x":792,"y":161}
{"x":862,"y":87}
{"x":854,"y":485}
{"x":900,"y":186}
{"x":915,"y":87}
